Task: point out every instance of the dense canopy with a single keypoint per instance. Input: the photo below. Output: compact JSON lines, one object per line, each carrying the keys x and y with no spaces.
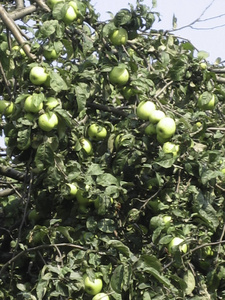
{"x":114,"y":164}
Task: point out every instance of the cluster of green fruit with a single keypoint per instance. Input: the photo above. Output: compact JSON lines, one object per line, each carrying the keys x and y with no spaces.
{"x":71,"y":11}
{"x":163,"y":126}
{"x":94,"y":288}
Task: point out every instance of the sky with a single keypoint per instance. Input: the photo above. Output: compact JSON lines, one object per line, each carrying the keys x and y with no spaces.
{"x":186,"y":11}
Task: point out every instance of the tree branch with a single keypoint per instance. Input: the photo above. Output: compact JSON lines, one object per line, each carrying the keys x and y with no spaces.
{"x":6,"y":192}
{"x":12,"y":173}
{"x":10,"y":24}
{"x":114,"y":110}
{"x":19,"y":14}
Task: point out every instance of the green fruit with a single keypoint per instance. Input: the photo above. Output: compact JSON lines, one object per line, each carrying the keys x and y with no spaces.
{"x":166,"y":128}
{"x":101,"y":296}
{"x":150,"y":129}
{"x":128,"y":92}
{"x":119,"y":75}
{"x":6,"y":107}
{"x":71,"y":13}
{"x":97,"y":132}
{"x":144,"y":109}
{"x":51,"y":102}
{"x":92,"y":287}
{"x":48,"y":121}
{"x":119,"y":37}
{"x":86,"y":145}
{"x":167,"y":220}
{"x":50,"y":54}
{"x":206,"y":101}
{"x":203,"y":66}
{"x":118,"y":140}
{"x":161,"y":140}
{"x":169,"y":147}
{"x":156,"y":115}
{"x":175,"y":245}
{"x":38,"y":76}
{"x":81,"y":199}
{"x":33,"y":216}
{"x":19,"y":49}
{"x":30,"y":105}
{"x":72,"y":190}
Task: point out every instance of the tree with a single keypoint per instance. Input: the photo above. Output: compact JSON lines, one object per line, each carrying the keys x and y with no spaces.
{"x":108,"y":206}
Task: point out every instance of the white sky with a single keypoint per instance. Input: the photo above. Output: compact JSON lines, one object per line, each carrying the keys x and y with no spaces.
{"x":186,"y":11}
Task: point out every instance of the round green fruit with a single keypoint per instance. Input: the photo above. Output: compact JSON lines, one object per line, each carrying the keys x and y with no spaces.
{"x":150,"y":129}
{"x":166,"y":128}
{"x":175,"y":244}
{"x":81,"y":199}
{"x":206,"y":101}
{"x":119,"y":37}
{"x":97,"y":132}
{"x":167,"y":220}
{"x":101,"y":296}
{"x":51,"y":3}
{"x":203,"y":65}
{"x":118,"y":139}
{"x":86,"y":145}
{"x":92,"y":287}
{"x":161,"y":140}
{"x":119,"y":75}
{"x":72,"y":190}
{"x":128,"y":92}
{"x":30,"y":106}
{"x":71,"y":13}
{"x":33,"y":216}
{"x":48,"y":121}
{"x":6,"y":107}
{"x":51,"y":102}
{"x":19,"y":50}
{"x":50,"y":54}
{"x":38,"y":76}
{"x":156,"y":115}
{"x":169,"y":147}
{"x":144,"y":109}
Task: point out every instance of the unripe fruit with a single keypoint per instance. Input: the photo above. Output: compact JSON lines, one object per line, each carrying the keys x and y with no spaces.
{"x":144,"y":109}
{"x":119,"y":75}
{"x":30,"y":105}
{"x":119,"y":37}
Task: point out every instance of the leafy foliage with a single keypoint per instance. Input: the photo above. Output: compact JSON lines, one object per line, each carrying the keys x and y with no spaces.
{"x":115,"y":228}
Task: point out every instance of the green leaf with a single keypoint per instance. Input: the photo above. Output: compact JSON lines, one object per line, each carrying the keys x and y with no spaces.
{"x":147,"y":260}
{"x":44,"y":156}
{"x":117,"y":279}
{"x":106,"y":179}
{"x":119,"y":246}
{"x":82,"y":94}
{"x":190,"y":282}
{"x":202,"y":55}
{"x":95,"y":169}
{"x":162,"y":279}
{"x":57,"y":83}
{"x":48,"y":28}
{"x":106,"y":225}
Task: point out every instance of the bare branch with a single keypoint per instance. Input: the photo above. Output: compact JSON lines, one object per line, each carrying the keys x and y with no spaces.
{"x":19,"y":4}
{"x":43,"y":5}
{"x":12,"y":173}
{"x":10,"y":24}
{"x":198,"y":20}
{"x":18,"y":14}
{"x":6,"y":192}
